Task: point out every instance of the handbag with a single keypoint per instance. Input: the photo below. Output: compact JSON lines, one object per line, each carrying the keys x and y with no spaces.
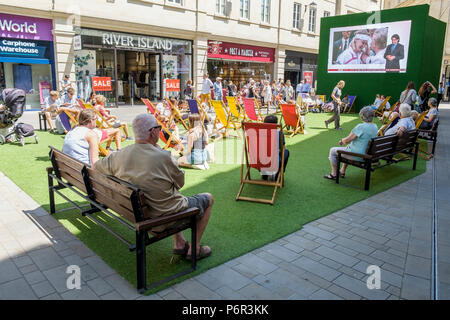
{"x":328,"y":106}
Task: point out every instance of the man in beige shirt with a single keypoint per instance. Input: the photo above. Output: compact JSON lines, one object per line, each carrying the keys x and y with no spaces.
{"x":154,"y":170}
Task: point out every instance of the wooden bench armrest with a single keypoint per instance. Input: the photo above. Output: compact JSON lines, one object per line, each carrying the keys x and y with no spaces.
{"x":426,"y":131}
{"x":360,"y":155}
{"x":151,"y":223}
{"x":49,"y":169}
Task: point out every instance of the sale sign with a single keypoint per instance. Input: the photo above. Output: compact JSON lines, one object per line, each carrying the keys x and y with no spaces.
{"x":173,"y":85}
{"x":308,"y":77}
{"x":101,"y":83}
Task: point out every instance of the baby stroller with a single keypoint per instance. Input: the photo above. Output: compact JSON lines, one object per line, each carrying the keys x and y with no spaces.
{"x":14,"y":100}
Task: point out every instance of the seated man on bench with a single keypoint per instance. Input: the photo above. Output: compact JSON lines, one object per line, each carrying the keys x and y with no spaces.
{"x":154,"y":170}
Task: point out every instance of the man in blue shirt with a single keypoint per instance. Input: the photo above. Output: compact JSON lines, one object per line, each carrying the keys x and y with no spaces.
{"x":218,"y":89}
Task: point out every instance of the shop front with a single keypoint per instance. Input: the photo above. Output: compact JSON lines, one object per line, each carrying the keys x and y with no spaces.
{"x":27,"y":57}
{"x":137,"y":66}
{"x":300,"y":66}
{"x":240,"y":62}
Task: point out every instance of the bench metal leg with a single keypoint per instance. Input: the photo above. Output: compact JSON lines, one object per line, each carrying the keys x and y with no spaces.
{"x":141,"y":261}
{"x":367,"y":183}
{"x":416,"y":152}
{"x":51,"y":195}
{"x":194,"y":242}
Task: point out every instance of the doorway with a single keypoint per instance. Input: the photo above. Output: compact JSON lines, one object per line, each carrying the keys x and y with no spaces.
{"x":138,"y":74}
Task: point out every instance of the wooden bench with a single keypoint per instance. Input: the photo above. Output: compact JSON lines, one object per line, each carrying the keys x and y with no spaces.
{"x":429,"y":135}
{"x":381,"y":148}
{"x":105,"y":194}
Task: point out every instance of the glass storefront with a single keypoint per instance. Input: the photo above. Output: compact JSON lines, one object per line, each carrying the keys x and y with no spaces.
{"x":27,"y":57}
{"x":137,"y":65}
{"x":239,"y":71}
{"x":297,"y":63}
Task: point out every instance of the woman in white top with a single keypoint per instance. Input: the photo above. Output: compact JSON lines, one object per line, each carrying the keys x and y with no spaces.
{"x":267,"y":94}
{"x":82,"y":141}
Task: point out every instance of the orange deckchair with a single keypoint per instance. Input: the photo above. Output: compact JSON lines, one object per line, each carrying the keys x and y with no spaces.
{"x":420,"y":118}
{"x":262,"y":147}
{"x":250,"y":113}
{"x":223,"y":117}
{"x":233,"y":105}
{"x":292,"y":118}
{"x":177,"y":115}
{"x":150,"y":107}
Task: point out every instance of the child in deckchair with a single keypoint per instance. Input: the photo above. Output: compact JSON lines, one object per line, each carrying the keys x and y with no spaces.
{"x":270,"y":176}
{"x":195,"y":153}
{"x":111,"y":119}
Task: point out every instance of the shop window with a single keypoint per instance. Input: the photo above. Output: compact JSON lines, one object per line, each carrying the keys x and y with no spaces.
{"x":265,"y":11}
{"x":22,"y":77}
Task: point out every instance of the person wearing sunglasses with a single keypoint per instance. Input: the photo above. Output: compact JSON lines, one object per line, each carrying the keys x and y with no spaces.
{"x":156,"y":172}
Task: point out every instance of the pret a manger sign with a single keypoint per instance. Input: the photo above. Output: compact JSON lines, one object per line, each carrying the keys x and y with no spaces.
{"x":228,"y":50}
{"x":101,"y":83}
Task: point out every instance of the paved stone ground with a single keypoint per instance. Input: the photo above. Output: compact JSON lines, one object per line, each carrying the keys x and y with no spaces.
{"x":327,"y":259}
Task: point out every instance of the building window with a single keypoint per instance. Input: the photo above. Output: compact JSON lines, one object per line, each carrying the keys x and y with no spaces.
{"x":245,"y":9}
{"x":326,"y":13}
{"x":221,"y":7}
{"x":312,"y":19}
{"x":297,"y":10}
{"x":175,"y":1}
{"x":265,"y":10}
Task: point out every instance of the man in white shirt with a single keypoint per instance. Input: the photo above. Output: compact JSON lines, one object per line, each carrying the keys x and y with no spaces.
{"x":206,"y":89}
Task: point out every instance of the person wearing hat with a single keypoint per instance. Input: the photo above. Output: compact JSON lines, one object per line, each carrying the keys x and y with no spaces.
{"x":157,"y":174}
{"x":394,"y":53}
{"x":431,"y":116}
{"x":360,"y":44}
{"x":218,"y":93}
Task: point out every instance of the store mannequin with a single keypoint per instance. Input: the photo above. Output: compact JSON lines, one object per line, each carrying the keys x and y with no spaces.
{"x":87,"y":84}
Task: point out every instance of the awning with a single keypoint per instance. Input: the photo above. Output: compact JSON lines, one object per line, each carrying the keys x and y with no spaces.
{"x":24,"y":60}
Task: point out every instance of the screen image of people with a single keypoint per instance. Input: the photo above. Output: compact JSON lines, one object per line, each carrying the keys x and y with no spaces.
{"x":370,"y":48}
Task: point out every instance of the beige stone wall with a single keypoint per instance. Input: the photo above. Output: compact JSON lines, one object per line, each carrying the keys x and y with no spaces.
{"x":195,"y":20}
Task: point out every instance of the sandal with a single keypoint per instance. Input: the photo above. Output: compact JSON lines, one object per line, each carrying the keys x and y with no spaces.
{"x":182,"y":252}
{"x":203,"y":253}
{"x":342,"y":175}
{"x":330,"y":177}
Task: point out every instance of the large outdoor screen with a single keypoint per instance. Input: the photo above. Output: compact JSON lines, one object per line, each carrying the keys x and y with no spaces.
{"x":374,"y":48}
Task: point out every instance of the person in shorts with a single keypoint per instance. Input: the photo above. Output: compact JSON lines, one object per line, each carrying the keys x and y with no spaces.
{"x":157,"y":174}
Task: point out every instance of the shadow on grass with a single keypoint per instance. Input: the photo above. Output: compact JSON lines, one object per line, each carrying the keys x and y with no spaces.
{"x":236,"y":228}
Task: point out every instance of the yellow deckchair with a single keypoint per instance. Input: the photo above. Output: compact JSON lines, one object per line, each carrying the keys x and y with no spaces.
{"x":390,"y":111}
{"x":223,"y":117}
{"x":177,"y":115}
{"x":420,"y":118}
{"x":379,"y":112}
{"x":232,"y":104}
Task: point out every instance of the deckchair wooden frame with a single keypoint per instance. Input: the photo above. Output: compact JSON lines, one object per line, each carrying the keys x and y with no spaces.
{"x":391,"y":110}
{"x":176,"y":115}
{"x":420,"y":118}
{"x":200,"y":113}
{"x":200,"y":106}
{"x":229,"y":124}
{"x":246,"y":178}
{"x":298,"y":126}
{"x":379,"y":111}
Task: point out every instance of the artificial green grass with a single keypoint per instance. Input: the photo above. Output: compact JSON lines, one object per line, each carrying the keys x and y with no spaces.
{"x":235,"y":228}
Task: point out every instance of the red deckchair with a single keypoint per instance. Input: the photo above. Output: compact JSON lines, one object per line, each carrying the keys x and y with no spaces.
{"x":292,"y":118}
{"x":249,"y":106}
{"x":261,"y":150}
